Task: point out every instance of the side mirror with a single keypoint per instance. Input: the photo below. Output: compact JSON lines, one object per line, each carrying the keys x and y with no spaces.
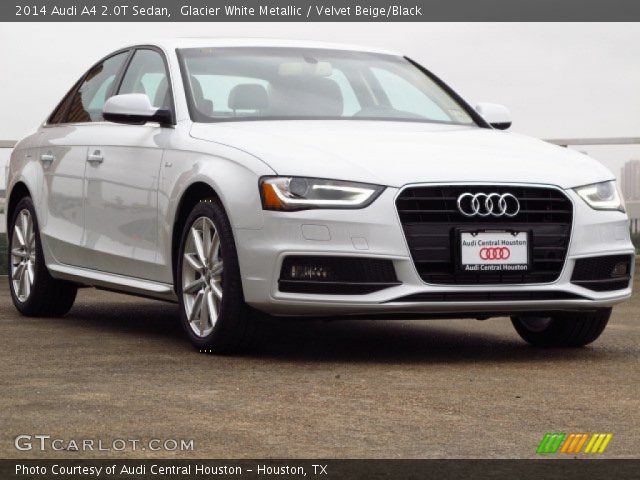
{"x":498,"y":116}
{"x":134,"y":109}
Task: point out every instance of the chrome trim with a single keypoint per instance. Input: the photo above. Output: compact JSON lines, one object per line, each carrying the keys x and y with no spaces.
{"x":489,"y":205}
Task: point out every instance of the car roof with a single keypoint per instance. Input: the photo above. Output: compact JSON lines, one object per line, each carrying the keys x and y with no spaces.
{"x":208,"y":42}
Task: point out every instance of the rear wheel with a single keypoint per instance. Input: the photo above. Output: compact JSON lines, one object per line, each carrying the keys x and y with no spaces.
{"x":33,"y":290}
{"x":212,"y":307}
{"x":565,"y":329}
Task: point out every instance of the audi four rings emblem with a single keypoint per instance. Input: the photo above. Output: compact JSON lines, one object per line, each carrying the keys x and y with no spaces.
{"x":485,"y":204}
{"x":495,"y":253}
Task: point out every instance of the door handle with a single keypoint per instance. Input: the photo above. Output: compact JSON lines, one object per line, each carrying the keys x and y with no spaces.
{"x":95,"y":157}
{"x":47,"y":157}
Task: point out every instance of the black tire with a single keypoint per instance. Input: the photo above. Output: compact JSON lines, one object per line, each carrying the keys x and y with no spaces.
{"x":565,"y":329}
{"x":48,"y":296}
{"x":234,"y":330}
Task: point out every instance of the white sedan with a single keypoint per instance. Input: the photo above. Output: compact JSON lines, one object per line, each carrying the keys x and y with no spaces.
{"x":250,"y":177}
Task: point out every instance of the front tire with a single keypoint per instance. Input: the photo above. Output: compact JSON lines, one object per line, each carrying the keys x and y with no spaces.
{"x":212,"y":308}
{"x":566,"y":329}
{"x":34,"y":291}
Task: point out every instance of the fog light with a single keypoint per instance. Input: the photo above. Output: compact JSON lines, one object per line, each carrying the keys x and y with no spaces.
{"x":621,"y":269}
{"x":309,"y":272}
{"x":603,"y":274}
{"x":326,"y":275}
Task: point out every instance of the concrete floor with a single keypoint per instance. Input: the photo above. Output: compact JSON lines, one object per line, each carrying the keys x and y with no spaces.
{"x":119,"y":367}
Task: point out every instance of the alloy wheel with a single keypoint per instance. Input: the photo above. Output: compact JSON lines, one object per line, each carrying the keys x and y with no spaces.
{"x":202,"y":269}
{"x":23,"y":255}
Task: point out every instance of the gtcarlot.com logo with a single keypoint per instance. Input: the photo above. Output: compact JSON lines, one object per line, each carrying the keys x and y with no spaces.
{"x":573,"y":443}
{"x":43,"y":443}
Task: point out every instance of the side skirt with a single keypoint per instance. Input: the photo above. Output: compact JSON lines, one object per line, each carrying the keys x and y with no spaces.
{"x":114,"y":282}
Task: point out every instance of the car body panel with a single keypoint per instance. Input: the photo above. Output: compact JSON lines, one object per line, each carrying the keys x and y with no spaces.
{"x":112,"y":224}
{"x":121,"y":198}
{"x":378,"y":224}
{"x":398,"y":153}
{"x":61,"y":216}
{"x":231,"y":173}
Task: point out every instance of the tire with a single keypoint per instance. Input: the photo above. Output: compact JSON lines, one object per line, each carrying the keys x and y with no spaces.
{"x":566,"y":329}
{"x":44,"y":295}
{"x":215,"y":277}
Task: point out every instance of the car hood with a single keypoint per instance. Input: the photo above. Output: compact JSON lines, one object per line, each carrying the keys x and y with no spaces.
{"x":399,"y":153}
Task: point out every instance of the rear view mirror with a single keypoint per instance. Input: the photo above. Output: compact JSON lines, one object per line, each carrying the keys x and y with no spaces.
{"x":298,"y":69}
{"x":498,"y":116}
{"x":134,"y":109}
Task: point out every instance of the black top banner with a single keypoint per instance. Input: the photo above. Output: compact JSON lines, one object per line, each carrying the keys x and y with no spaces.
{"x":319,"y":10}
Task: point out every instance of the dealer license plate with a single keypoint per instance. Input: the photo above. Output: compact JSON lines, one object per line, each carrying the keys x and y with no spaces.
{"x":494,"y":251}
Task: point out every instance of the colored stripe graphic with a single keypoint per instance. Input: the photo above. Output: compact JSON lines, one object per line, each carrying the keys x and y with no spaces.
{"x":581,"y":443}
{"x":542,"y":448}
{"x":572,"y":443}
{"x":598,"y":443}
{"x":606,"y":441}
{"x":594,"y":437}
{"x":569,"y":443}
{"x":550,"y":442}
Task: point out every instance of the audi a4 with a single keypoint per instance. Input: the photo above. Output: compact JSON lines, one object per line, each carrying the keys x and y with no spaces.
{"x":253,"y":178}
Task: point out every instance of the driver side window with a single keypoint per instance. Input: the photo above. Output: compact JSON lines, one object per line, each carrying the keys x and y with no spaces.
{"x":85,"y":104}
{"x":147,"y":74}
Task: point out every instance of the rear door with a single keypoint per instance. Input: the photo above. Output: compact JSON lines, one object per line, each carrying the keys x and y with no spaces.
{"x":63,"y":153}
{"x":121,"y":178}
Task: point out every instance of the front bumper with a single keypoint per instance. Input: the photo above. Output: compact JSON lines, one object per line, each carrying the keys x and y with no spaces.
{"x":376,"y":232}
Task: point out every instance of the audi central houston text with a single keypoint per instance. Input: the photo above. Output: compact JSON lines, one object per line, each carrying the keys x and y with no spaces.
{"x":248,"y":178}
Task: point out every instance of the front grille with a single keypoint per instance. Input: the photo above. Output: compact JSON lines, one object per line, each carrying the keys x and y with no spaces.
{"x":602,"y":274}
{"x":336,"y":275}
{"x":487,"y":296}
{"x":430,"y":217}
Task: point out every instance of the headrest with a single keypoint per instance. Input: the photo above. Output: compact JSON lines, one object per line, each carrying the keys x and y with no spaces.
{"x":306,"y":96}
{"x":162,"y":98}
{"x":248,"y":96}
{"x":196,"y":89}
{"x":202,"y":104}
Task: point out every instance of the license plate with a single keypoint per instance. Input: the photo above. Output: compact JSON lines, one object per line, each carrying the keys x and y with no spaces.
{"x":494,"y":251}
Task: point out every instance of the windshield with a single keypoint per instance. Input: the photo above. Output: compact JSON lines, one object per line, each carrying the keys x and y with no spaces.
{"x":247,"y":83}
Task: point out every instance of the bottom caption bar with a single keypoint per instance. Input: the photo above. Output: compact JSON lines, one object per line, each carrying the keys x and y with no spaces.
{"x":319,"y":469}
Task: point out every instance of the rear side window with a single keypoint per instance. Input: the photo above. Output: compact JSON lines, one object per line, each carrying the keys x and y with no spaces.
{"x":85,"y":104}
{"x":59,"y":113}
{"x":147,"y":74}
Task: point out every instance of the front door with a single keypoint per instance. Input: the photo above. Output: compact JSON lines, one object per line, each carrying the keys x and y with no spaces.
{"x":121,"y":206}
{"x":121,"y":180}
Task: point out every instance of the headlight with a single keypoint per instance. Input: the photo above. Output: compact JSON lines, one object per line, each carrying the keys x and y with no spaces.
{"x":602,"y":196}
{"x":299,"y":193}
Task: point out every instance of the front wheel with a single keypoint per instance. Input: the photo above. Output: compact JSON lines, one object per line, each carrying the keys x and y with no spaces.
{"x":565,"y":329}
{"x":212,"y":308}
